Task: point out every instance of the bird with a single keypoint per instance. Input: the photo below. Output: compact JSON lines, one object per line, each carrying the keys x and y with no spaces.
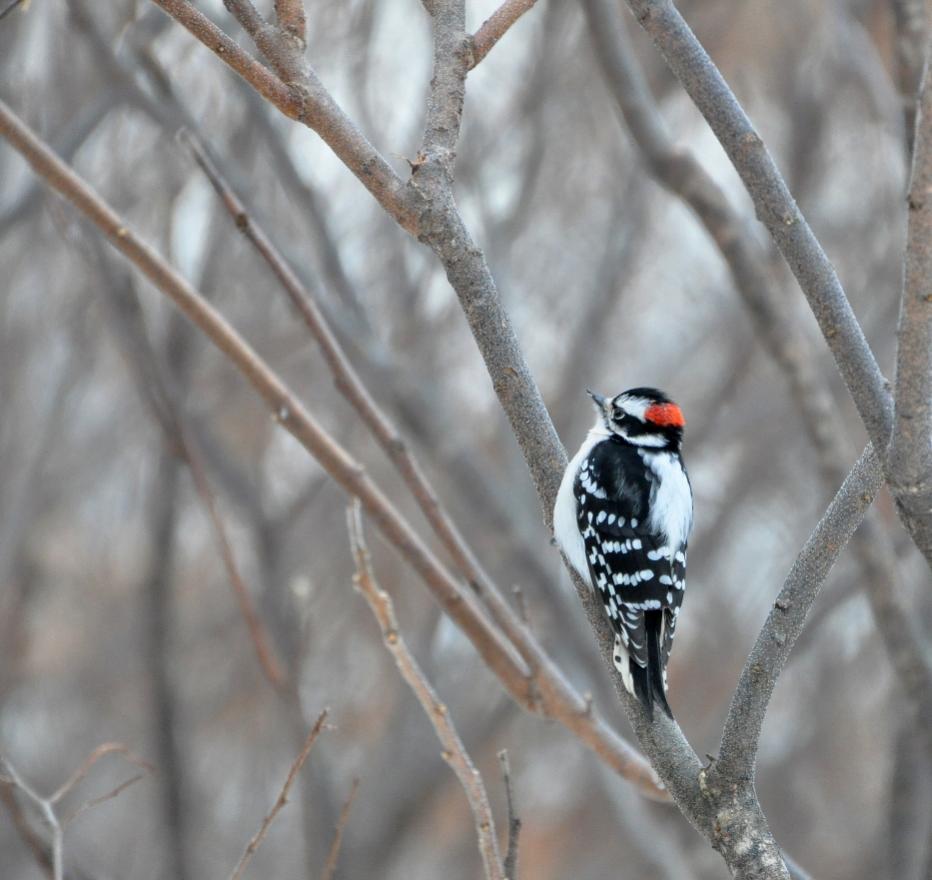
{"x":622,"y":519}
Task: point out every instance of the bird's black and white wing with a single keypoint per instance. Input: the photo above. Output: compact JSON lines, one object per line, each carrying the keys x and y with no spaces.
{"x":640,"y":577}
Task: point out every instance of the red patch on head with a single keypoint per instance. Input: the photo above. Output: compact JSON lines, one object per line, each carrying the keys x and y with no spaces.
{"x":665,"y":415}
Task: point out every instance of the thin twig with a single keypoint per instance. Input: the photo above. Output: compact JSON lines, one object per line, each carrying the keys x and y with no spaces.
{"x":46,"y":812}
{"x":259,"y":636}
{"x":293,"y":772}
{"x":496,"y":26}
{"x":111,"y":748}
{"x":160,"y":397}
{"x":40,"y":850}
{"x":46,"y":806}
{"x":334,"y":854}
{"x":454,"y":752}
{"x":93,"y":802}
{"x":514,"y":820}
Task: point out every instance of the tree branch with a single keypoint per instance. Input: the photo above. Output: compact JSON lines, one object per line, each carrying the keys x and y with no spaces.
{"x":745,"y":717}
{"x":334,"y":854}
{"x":46,"y":806}
{"x":776,"y":209}
{"x":293,"y":772}
{"x":309,"y":103}
{"x":679,"y":172}
{"x":514,"y":821}
{"x":454,"y":752}
{"x":550,"y":691}
{"x":495,"y":27}
{"x":910,"y":462}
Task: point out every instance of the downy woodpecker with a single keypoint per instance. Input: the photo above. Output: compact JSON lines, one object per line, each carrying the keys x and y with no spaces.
{"x":622,"y":518}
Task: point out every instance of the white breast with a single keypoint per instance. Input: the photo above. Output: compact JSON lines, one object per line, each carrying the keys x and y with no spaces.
{"x":671,"y":502}
{"x":565,"y":527}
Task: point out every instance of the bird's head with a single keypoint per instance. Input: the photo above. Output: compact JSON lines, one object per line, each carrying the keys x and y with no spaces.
{"x":643,"y":417}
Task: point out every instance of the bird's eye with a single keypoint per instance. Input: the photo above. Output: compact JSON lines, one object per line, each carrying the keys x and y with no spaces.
{"x":619,"y":415}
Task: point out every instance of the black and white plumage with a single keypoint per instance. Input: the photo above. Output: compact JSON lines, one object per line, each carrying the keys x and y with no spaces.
{"x":622,"y":518}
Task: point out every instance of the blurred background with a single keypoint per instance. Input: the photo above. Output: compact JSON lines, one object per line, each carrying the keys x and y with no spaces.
{"x":117,"y":618}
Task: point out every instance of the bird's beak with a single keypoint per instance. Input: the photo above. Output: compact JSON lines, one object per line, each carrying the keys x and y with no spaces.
{"x":598,"y":398}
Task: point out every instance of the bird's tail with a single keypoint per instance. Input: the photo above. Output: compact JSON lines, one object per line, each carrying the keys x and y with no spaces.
{"x":648,"y":681}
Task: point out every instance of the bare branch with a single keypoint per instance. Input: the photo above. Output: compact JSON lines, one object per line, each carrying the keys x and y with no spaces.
{"x":93,"y":802}
{"x":552,"y":691}
{"x":447,"y":91}
{"x":776,"y":208}
{"x":41,"y":851}
{"x":514,"y":821}
{"x":679,"y":171}
{"x":111,"y":748}
{"x":258,"y":634}
{"x":552,"y":695}
{"x":293,"y":772}
{"x":46,"y":812}
{"x":775,"y":641}
{"x":910,"y":465}
{"x":495,"y":27}
{"x":309,"y":103}
{"x":45,"y":806}
{"x":454,"y":752}
{"x":334,"y":854}
{"x":348,"y":383}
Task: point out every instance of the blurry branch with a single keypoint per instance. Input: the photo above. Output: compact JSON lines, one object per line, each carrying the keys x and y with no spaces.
{"x":161,"y":400}
{"x":454,"y":752}
{"x":67,"y":139}
{"x":701,"y":79}
{"x":334,"y":854}
{"x":776,"y":208}
{"x":552,"y":695}
{"x":287,"y":409}
{"x":741,"y":733}
{"x":514,"y":821}
{"x":85,"y":768}
{"x":9,"y":8}
{"x":496,"y":26}
{"x":910,"y":465}
{"x":424,"y":207}
{"x":258,"y":634}
{"x":46,"y":807}
{"x":348,"y":383}
{"x":293,"y":772}
{"x":732,"y":820}
{"x":301,"y":97}
{"x":911,"y":18}
{"x":157,"y":606}
{"x":540,"y":691}
{"x":680,"y":172}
